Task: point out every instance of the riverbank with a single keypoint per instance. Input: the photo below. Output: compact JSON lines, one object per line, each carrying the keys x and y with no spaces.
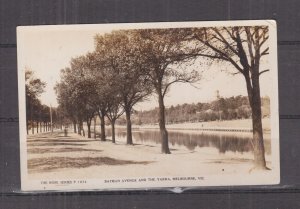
{"x":54,"y":156}
{"x":243,"y":125}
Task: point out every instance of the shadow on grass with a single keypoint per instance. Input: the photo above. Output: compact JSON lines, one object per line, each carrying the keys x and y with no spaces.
{"x":58,"y":140}
{"x":146,"y":145}
{"x":54,"y":144}
{"x":33,"y":137}
{"x":85,"y":138}
{"x":39,"y":165}
{"x":57,"y":150}
{"x":230,"y":161}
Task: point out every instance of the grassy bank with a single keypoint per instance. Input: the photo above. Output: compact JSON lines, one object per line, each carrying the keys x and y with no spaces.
{"x":229,"y":124}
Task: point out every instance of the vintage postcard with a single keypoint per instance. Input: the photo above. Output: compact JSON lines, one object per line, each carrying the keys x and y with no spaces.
{"x":148,"y":105}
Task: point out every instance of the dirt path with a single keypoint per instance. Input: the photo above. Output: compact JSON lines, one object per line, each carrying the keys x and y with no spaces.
{"x":53,"y":151}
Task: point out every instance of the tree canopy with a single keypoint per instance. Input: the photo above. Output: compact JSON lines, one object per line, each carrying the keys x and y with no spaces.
{"x":129,"y":65}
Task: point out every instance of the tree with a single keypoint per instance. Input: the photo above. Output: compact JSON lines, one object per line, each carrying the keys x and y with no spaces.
{"x":99,"y":72}
{"x":168,"y":53}
{"x":66,"y":105}
{"x":76,"y":93}
{"x":121,"y":64}
{"x":45,"y":116}
{"x":85,"y":91}
{"x":243,"y":48}
{"x":34,"y":88}
{"x":114,"y":112}
{"x":107,"y":96}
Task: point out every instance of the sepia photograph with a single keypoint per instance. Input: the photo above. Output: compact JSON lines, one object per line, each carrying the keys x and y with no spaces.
{"x":148,"y":105}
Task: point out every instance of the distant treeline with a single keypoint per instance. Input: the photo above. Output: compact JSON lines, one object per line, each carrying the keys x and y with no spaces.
{"x":220,"y":109}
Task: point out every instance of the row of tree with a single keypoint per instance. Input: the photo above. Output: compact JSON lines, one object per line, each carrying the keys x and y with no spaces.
{"x":129,"y":65}
{"x":37,"y":115}
{"x":221,"y":109}
{"x":38,"y":118}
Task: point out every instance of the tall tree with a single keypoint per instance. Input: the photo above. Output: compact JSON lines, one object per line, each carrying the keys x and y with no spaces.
{"x":122,"y":63}
{"x":243,"y":48}
{"x":34,"y":88}
{"x":99,"y":72}
{"x":115,"y":111}
{"x":168,"y":53}
{"x":85,"y":90}
{"x":76,"y":92}
{"x":63,"y":91}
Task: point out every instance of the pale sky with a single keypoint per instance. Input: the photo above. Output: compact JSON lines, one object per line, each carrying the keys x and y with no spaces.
{"x":47,"y":50}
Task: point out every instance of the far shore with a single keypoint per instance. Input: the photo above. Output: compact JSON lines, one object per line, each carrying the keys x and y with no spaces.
{"x":242,"y":125}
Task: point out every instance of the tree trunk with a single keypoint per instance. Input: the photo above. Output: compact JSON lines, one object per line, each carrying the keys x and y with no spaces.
{"x":255,"y":103}
{"x":258,"y":140}
{"x":128,"y":123}
{"x":37,"y":127}
{"x":102,"y":119}
{"x":41,"y":129}
{"x":81,"y":125}
{"x":79,"y":128}
{"x":89,"y":127}
{"x":95,"y":118}
{"x":162,"y":125}
{"x":27,"y":127}
{"x":27,"y":116}
{"x":31,"y":120}
{"x":74,"y":127}
{"x":32,"y":127}
{"x":113,"y":135}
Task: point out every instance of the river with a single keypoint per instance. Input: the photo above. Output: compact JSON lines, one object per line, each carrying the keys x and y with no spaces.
{"x":223,"y":142}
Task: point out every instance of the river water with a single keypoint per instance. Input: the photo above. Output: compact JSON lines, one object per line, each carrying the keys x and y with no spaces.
{"x":222,"y":141}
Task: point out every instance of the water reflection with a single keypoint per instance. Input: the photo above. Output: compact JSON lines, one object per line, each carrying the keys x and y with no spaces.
{"x":237,"y":142}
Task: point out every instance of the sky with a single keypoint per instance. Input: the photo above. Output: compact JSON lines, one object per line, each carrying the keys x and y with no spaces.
{"x":47,"y":50}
